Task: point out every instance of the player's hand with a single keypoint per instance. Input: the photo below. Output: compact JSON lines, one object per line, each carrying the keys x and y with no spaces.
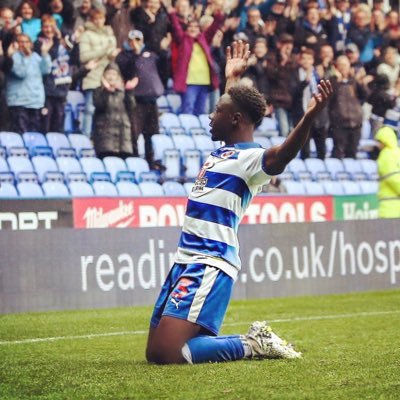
{"x":320,"y":99}
{"x":236,"y":59}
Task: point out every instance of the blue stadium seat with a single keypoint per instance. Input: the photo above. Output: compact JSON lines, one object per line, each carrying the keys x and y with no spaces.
{"x":79,"y":142}
{"x":161,"y":143}
{"x":104,"y":188}
{"x":174,"y":101}
{"x":163,"y":105}
{"x":57,"y":141}
{"x":189,"y":121}
{"x":90,"y":165}
{"x":55,"y":189}
{"x":34,"y":139}
{"x":316,"y":167}
{"x":151,"y":189}
{"x":277,"y":140}
{"x":18,"y":152}
{"x":3,"y":152}
{"x":333,"y":188}
{"x":173,"y":188}
{"x":368,"y":187}
{"x":188,"y":187}
{"x":128,"y":189}
{"x":336,"y":168}
{"x":314,"y":188}
{"x":353,"y":167}
{"x":140,"y":144}
{"x":19,"y":164}
{"x":205,"y":122}
{"x":299,"y":169}
{"x":351,"y":187}
{"x":203,"y":143}
{"x":169,"y":120}
{"x":3,"y":165}
{"x":69,"y":119}
{"x":68,"y":165}
{"x":366,"y":129}
{"x":137,"y":165}
{"x":370,"y":168}
{"x":198,"y":132}
{"x":295,"y":188}
{"x":172,"y":162}
{"x":192,"y":163}
{"x":149,"y":176}
{"x":114,"y":165}
{"x":29,"y":190}
{"x":176,"y":130}
{"x":268,"y":127}
{"x":8,"y":191}
{"x":43,"y":165}
{"x":11,"y":139}
{"x":183,"y":143}
{"x":80,"y":189}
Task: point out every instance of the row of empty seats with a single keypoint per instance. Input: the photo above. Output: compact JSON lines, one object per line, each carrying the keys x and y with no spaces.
{"x":58,"y":189}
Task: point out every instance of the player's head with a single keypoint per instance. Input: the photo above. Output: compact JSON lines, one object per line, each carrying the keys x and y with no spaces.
{"x":237,"y":113}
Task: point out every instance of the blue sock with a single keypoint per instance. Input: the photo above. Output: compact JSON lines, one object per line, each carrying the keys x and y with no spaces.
{"x":213,"y":349}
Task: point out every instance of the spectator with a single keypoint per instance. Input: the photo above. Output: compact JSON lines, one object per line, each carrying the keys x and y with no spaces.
{"x":345,"y":113}
{"x":118,"y":17}
{"x":56,"y":84}
{"x":389,"y":173}
{"x":195,"y":75}
{"x":392,"y":31}
{"x":255,"y":25}
{"x":8,"y":27}
{"x":82,"y":13}
{"x":257,"y":67}
{"x":5,"y":68}
{"x":307,"y":80}
{"x":360,"y":33}
{"x":111,"y":126}
{"x":96,"y":43}
{"x":326,"y":68}
{"x":25,"y":90}
{"x":29,"y":19}
{"x":390,"y":65}
{"x":311,"y":33}
{"x":152,"y":20}
{"x":280,"y":69}
{"x":380,"y":100}
{"x":135,"y":61}
{"x":338,"y":25}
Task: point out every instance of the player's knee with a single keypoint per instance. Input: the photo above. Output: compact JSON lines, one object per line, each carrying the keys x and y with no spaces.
{"x":164,"y":355}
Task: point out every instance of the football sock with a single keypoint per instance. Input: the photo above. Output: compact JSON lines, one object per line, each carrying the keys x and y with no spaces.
{"x":214,"y":349}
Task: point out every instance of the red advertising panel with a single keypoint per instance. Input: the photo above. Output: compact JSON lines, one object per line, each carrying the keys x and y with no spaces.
{"x":170,"y":211}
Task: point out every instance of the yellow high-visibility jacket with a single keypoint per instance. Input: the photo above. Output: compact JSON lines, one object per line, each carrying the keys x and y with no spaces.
{"x":389,"y":174}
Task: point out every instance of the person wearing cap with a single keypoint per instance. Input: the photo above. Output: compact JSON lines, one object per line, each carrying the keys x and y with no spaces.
{"x":138,"y":63}
{"x":111,"y":125}
{"x":389,"y":173}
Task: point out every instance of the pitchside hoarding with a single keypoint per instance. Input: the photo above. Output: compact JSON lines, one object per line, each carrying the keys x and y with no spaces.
{"x":157,"y":212}
{"x":25,"y":215}
{"x":92,"y":268}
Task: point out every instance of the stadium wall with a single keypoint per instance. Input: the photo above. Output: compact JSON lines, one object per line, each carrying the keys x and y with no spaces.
{"x":92,"y":268}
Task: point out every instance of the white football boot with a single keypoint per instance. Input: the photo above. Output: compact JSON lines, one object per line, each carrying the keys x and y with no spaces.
{"x":266,"y":344}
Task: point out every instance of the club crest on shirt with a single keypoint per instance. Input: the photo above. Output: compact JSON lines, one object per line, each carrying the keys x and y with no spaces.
{"x":201,"y":180}
{"x":225,"y":153}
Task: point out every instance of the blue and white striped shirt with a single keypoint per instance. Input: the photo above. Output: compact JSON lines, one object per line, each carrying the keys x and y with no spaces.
{"x":225,"y":186}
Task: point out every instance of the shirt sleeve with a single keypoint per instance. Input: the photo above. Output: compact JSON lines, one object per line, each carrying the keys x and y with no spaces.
{"x":251,"y":162}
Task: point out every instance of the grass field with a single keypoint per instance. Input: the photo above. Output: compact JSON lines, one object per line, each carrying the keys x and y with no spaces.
{"x":350,"y":343}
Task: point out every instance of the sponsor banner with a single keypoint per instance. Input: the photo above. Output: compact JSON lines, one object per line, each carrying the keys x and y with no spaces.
{"x":35,"y":214}
{"x":170,"y":211}
{"x":356,"y":207}
{"x":112,"y":268}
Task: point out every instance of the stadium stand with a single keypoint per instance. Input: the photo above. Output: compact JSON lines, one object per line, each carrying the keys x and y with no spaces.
{"x":151,"y":189}
{"x":172,"y":188}
{"x":128,"y":189}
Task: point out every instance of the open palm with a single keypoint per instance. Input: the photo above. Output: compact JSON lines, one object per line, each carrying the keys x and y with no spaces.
{"x":320,"y":99}
{"x":236,"y":59}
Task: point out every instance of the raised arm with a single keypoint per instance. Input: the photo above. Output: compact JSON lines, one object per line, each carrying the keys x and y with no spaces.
{"x":236,"y":62}
{"x":278,"y":157}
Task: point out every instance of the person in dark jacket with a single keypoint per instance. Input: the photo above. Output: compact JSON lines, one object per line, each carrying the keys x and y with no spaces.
{"x":5,"y":68}
{"x":140,"y":70}
{"x":56,"y":84}
{"x":345,"y":113}
{"x":111,"y":125}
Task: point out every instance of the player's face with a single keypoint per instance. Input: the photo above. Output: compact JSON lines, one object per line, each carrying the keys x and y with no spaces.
{"x":221,"y":119}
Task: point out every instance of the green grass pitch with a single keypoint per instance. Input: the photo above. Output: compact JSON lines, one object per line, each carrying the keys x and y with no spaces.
{"x":350,"y":344}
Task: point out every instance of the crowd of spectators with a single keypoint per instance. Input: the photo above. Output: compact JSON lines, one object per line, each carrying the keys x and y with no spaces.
{"x":122,"y":55}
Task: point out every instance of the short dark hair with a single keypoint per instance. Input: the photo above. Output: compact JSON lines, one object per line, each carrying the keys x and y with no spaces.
{"x":250,"y":101}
